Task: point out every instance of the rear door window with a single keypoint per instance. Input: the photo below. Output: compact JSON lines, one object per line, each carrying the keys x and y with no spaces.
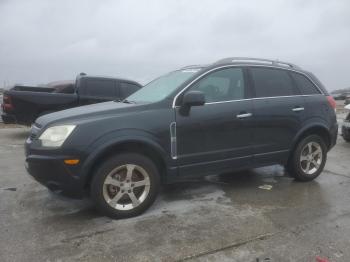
{"x":269,"y":82}
{"x":101,"y":88}
{"x":305,"y":86}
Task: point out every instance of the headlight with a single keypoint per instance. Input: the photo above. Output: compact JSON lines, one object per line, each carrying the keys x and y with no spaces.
{"x":56,"y":135}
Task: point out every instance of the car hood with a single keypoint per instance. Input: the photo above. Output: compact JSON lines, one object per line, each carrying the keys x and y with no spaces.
{"x":85,"y":112}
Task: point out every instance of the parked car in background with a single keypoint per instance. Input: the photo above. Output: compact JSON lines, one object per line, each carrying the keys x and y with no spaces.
{"x":346,"y":125}
{"x":237,"y":113}
{"x":338,"y":96}
{"x":24,"y":104}
{"x":347,"y":100}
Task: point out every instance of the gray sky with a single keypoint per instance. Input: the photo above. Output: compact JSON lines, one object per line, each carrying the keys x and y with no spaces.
{"x":42,"y":41}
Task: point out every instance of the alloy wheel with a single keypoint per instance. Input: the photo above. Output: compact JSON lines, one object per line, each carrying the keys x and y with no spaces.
{"x":311,"y":158}
{"x":126,"y":187}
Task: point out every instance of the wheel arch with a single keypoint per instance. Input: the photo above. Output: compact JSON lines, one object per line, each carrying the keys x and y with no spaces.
{"x":317,"y":129}
{"x":132,"y":145}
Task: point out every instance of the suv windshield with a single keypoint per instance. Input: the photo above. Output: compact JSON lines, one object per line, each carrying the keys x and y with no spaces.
{"x":161,"y":87}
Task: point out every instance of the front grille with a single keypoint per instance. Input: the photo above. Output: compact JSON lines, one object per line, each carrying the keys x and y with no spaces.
{"x":32,"y":136}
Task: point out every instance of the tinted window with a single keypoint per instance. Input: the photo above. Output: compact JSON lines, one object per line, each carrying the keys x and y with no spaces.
{"x":127,"y":89}
{"x":69,"y":89}
{"x":272,"y":82}
{"x":65,"y":89}
{"x":223,"y":85}
{"x":100,"y":87}
{"x":305,"y":85}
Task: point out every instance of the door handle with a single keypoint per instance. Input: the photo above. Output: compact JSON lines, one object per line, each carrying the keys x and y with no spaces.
{"x":298,"y":109}
{"x":244,"y":115}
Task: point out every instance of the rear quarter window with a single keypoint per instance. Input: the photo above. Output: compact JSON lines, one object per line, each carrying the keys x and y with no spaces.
{"x":305,"y":86}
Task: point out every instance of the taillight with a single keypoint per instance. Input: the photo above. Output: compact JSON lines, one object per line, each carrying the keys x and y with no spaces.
{"x":332,"y":102}
{"x":7,"y":103}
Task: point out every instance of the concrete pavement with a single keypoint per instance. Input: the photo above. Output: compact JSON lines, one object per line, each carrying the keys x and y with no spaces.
{"x":220,"y":218}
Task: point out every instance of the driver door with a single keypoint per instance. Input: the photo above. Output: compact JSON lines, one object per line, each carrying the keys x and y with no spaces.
{"x":216,"y":136}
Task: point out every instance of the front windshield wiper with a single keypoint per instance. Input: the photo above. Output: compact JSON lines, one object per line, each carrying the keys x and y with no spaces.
{"x":128,"y":101}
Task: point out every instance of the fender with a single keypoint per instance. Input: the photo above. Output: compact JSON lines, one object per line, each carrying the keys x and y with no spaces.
{"x":106,"y":142}
{"x":311,"y":123}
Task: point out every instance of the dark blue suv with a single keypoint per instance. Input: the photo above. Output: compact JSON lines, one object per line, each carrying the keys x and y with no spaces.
{"x":237,"y":113}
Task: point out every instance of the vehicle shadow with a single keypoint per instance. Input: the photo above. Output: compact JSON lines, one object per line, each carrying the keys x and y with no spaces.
{"x":244,"y":179}
{"x":64,"y":210}
{"x":263,"y":188}
{"x":234,"y":189}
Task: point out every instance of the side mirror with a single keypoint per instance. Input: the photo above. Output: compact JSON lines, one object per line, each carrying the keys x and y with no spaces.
{"x":193,"y":98}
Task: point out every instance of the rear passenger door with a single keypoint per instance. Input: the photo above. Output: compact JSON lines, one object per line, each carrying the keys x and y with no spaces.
{"x":97,"y":91}
{"x":278,"y":113}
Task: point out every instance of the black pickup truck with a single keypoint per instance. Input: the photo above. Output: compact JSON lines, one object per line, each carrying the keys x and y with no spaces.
{"x":23,"y":104}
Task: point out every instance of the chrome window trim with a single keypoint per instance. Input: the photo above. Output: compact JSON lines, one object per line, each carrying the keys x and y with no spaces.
{"x":255,"y":98}
{"x":242,"y":65}
{"x":258,"y":98}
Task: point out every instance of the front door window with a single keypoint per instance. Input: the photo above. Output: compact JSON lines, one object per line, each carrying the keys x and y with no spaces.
{"x":222,"y":85}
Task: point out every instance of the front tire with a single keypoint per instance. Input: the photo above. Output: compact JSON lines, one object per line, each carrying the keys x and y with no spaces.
{"x":308,"y":159}
{"x":125,"y":185}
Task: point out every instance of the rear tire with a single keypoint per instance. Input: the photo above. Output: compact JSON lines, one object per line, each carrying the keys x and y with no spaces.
{"x":308,"y":159}
{"x":125,"y":185}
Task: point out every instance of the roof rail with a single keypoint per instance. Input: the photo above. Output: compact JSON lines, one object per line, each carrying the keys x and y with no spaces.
{"x":260,"y":60}
{"x":190,"y":66}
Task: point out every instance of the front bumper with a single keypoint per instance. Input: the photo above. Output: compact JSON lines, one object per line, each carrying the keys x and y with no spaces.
{"x":53,"y":173}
